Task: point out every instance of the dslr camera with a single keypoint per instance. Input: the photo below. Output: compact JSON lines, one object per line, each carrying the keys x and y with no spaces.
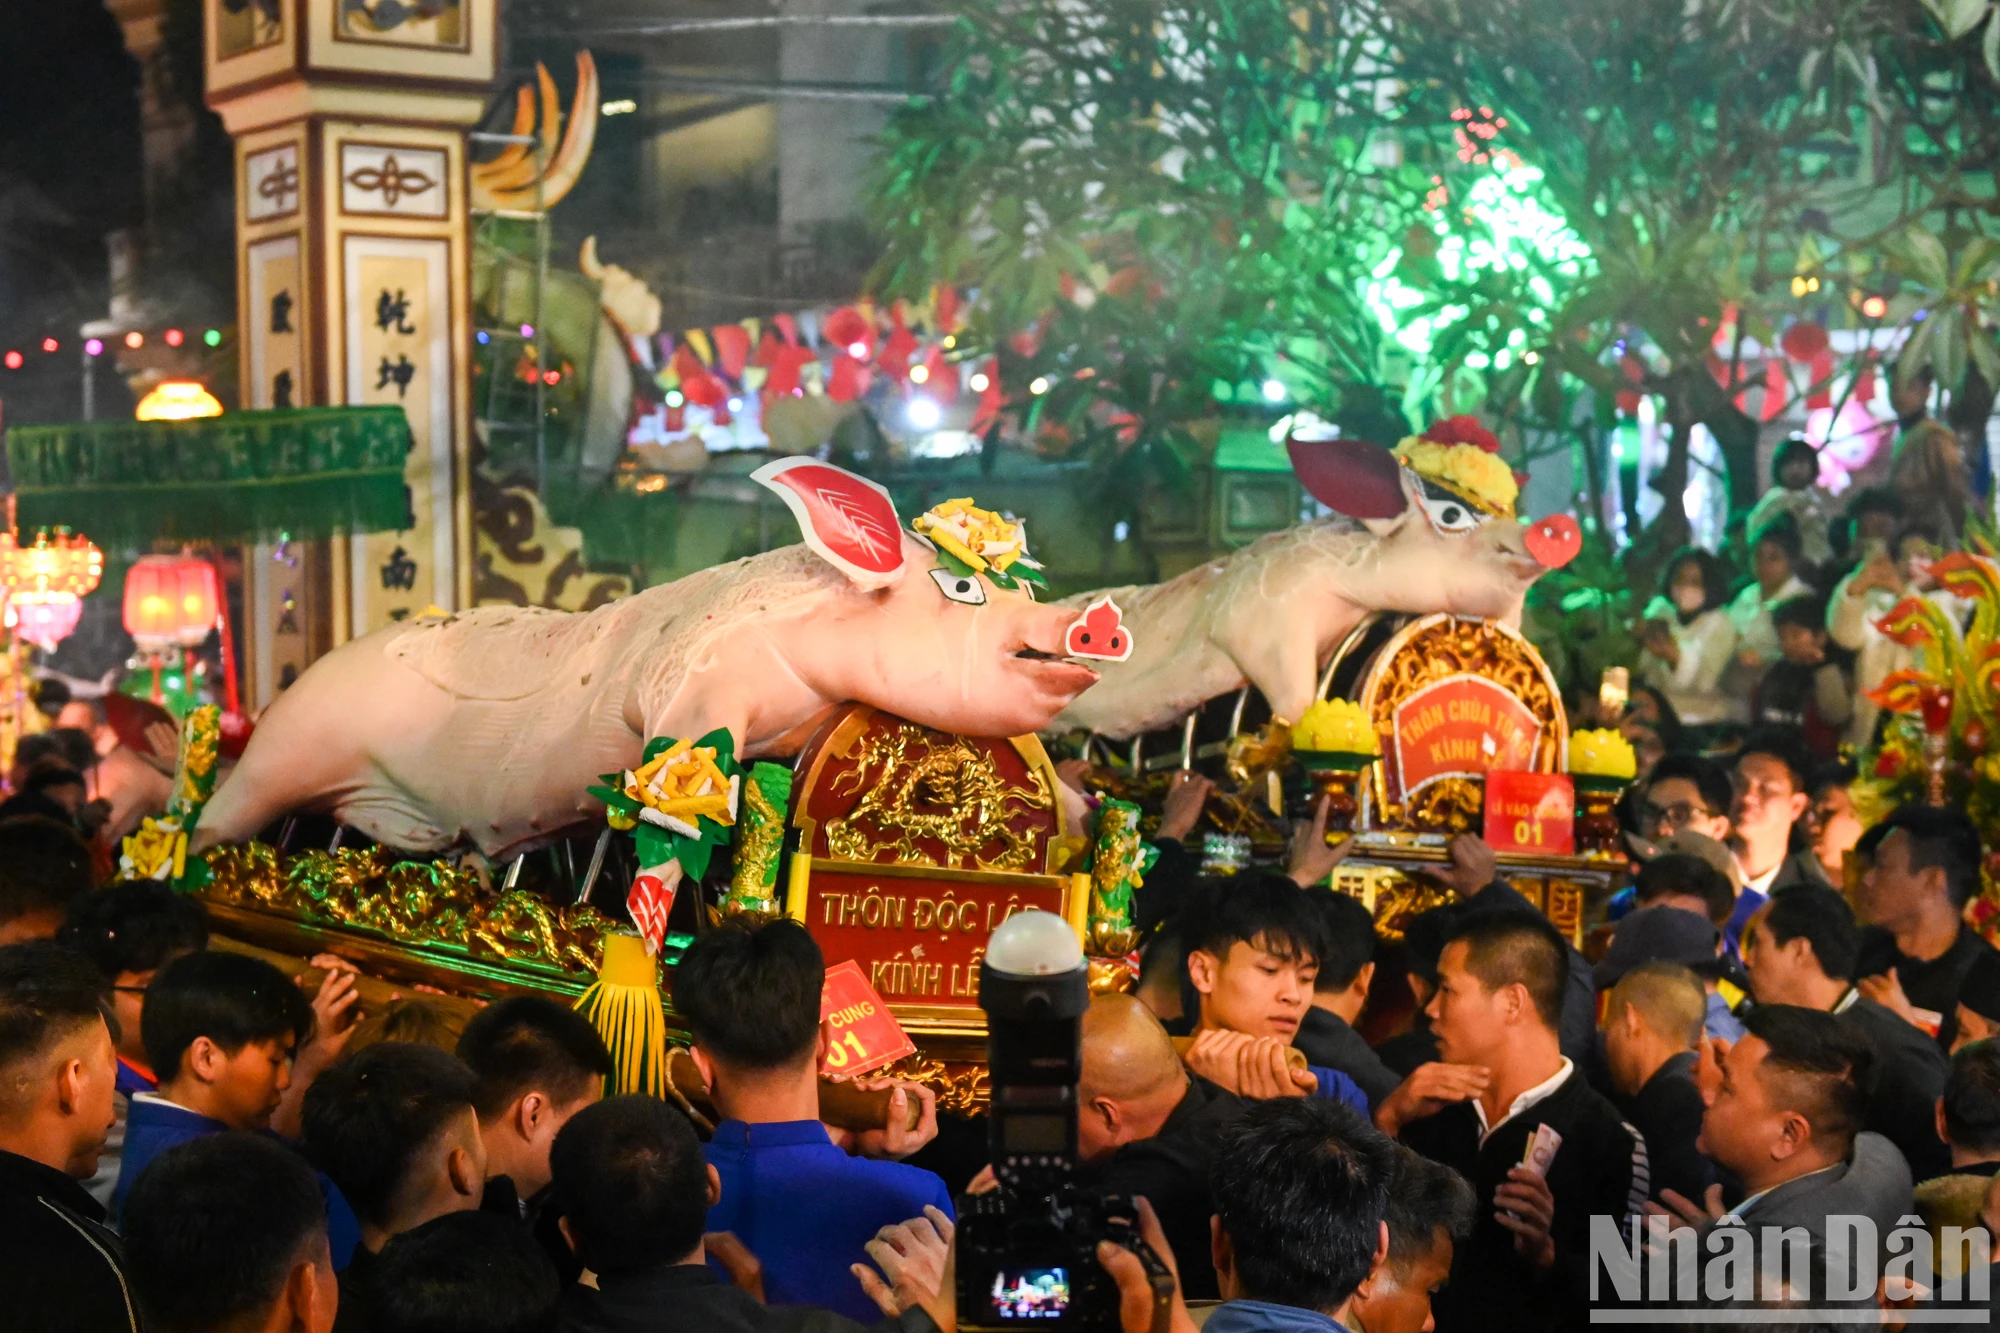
{"x":1027,"y":1251}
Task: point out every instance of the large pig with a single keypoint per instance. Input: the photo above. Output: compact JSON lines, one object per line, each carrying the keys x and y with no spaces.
{"x":487,"y":726}
{"x":1273,"y":612}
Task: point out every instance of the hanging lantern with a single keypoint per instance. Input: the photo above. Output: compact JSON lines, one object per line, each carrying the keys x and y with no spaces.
{"x":44,"y":619}
{"x":170,"y":599}
{"x":46,"y":583}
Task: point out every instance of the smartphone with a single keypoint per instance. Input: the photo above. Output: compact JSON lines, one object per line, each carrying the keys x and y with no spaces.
{"x":1614,"y":691}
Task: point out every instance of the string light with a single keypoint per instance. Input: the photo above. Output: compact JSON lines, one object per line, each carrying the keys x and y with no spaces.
{"x":213,"y":337}
{"x":50,"y":345}
{"x":13,"y":360}
{"x":135,"y":340}
{"x":979,"y":382}
{"x":174,"y":337}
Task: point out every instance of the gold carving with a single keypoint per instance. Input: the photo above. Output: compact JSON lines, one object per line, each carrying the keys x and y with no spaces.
{"x":412,"y":902}
{"x":960,"y":1089}
{"x":1427,"y":651}
{"x":913,"y":786}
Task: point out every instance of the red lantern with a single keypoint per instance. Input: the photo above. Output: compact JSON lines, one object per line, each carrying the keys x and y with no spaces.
{"x":171,"y":599}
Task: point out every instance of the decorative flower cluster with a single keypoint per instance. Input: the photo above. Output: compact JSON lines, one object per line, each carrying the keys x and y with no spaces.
{"x":971,"y":540}
{"x":1602,"y":754}
{"x":1336,"y":726}
{"x":1473,"y":470}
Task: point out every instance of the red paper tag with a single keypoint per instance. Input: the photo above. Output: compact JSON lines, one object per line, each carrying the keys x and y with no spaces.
{"x":1530,"y":812}
{"x":649,"y":901}
{"x":862,"y":1035}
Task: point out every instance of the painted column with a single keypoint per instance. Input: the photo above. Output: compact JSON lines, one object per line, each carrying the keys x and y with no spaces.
{"x":353,"y":245}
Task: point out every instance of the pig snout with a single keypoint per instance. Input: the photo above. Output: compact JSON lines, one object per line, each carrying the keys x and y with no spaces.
{"x":1554,"y":541}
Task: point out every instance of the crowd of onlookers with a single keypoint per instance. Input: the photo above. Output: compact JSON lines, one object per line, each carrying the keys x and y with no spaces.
{"x":1328,"y":1127}
{"x":1332,"y":1126}
{"x":1781,"y":626}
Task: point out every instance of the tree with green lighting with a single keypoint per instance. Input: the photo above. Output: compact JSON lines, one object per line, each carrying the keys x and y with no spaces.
{"x":1684,"y":150}
{"x":1162,"y":209}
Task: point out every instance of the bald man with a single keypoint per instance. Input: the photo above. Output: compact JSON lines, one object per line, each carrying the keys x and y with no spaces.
{"x":1146,"y":1126}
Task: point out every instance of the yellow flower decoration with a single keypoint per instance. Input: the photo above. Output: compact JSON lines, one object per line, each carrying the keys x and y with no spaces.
{"x":1602,"y":754}
{"x":983,"y":541}
{"x":1483,"y":479}
{"x":157,"y":850}
{"x":681,"y":783}
{"x":1336,"y":725}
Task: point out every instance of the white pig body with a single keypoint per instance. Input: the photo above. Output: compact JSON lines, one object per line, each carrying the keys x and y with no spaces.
{"x":1273,"y":612}
{"x":486,"y":727}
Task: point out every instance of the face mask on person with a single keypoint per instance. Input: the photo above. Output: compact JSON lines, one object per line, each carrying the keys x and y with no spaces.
{"x":1688,"y":599}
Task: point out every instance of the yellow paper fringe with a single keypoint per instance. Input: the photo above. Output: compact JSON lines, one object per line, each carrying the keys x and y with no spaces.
{"x":623,"y":1004}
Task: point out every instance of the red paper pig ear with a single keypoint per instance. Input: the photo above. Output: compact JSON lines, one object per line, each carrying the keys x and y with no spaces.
{"x":848,"y":520}
{"x":1350,"y":477}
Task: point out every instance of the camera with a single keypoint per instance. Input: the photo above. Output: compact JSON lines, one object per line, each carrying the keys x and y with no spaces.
{"x":1027,"y":1251}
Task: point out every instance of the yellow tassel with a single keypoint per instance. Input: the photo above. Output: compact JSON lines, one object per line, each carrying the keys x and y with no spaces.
{"x":623,"y":1004}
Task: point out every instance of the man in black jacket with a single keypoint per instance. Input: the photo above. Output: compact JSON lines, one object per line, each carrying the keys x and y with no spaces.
{"x":1924,"y":867}
{"x":1346,"y":970}
{"x":1800,"y":950}
{"x":1652,"y":1029}
{"x":1146,"y":1128}
{"x":60,"y":1268}
{"x":634,"y":1192}
{"x":1526,"y":1264}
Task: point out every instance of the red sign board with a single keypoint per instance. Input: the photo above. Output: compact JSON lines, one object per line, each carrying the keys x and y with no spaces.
{"x":1530,"y":812}
{"x":919,"y":938}
{"x":863,"y":1035}
{"x":1461,"y":726}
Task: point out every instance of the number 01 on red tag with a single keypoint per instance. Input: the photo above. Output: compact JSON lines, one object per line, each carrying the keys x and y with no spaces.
{"x":1530,"y":812}
{"x":862,"y":1035}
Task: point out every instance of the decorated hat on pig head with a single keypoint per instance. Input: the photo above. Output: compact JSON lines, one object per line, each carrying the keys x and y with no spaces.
{"x":1453,"y":472}
{"x":1462,"y":457}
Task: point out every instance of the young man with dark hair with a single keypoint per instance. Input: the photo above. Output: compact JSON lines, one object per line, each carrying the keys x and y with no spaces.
{"x":61,"y":1268}
{"x":1968,"y":1120}
{"x":1254,"y":944}
{"x":1340,"y":991}
{"x":219,"y":1030}
{"x":131,"y":931}
{"x":1429,"y":1211}
{"x":393,"y":1127}
{"x":535,"y":1064}
{"x":1801,"y":950}
{"x":1786,"y":1120}
{"x":1300,"y":1188}
{"x":1915,"y":955}
{"x":464,"y":1273}
{"x":636,"y":1199}
{"x":1501,"y":983}
{"x":228,"y":1232}
{"x":42,"y":866}
{"x":1686,"y":793}
{"x":1653,"y":1026}
{"x":1770,"y":775}
{"x":751,"y":999}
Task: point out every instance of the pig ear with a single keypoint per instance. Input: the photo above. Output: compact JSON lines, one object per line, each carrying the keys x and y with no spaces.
{"x":1350,"y":477}
{"x":849,"y":521}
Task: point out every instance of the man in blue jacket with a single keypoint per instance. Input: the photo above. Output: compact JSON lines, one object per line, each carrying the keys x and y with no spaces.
{"x":801,"y":1204}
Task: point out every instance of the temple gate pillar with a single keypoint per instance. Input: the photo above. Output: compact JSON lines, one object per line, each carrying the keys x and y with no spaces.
{"x":353,"y":260}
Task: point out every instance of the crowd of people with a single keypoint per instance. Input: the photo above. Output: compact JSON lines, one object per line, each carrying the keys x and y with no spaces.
{"x":1780,"y":627}
{"x":190,"y":1142}
{"x":1322,"y":1127}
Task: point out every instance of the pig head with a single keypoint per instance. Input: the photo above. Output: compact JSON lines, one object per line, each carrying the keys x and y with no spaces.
{"x":1272,"y":613}
{"x":487,"y":726}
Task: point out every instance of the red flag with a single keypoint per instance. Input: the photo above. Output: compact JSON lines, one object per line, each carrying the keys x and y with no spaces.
{"x":849,"y":380}
{"x":732,"y":348}
{"x":1777,"y":389}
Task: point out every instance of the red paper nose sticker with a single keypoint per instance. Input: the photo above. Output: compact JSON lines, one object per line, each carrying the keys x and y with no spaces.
{"x":1554,"y":540}
{"x":1101,"y":634}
